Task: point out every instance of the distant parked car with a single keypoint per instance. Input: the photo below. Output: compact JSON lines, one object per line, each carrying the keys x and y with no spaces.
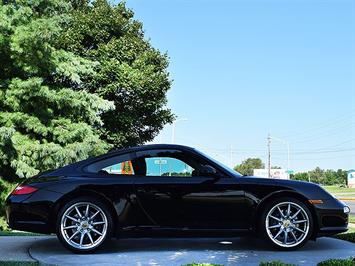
{"x":170,"y":190}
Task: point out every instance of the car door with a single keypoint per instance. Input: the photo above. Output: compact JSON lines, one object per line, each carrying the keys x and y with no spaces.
{"x":160,"y":190}
{"x":176,"y":193}
{"x":217,"y":203}
{"x":113,"y":176}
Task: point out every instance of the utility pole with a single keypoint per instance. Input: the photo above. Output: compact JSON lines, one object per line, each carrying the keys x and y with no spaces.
{"x":269,"y":138}
{"x":269,"y":154}
{"x":288,"y":156}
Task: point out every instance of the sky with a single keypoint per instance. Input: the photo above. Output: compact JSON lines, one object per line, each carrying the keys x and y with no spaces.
{"x":244,"y":69}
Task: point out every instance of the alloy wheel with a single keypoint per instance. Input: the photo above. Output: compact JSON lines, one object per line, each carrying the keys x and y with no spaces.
{"x":84,"y":225}
{"x":287,"y":224}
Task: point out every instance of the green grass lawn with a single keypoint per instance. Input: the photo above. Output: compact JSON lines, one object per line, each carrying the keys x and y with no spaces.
{"x":18,"y":233}
{"x":348,"y":236}
{"x":18,"y":263}
{"x":331,"y":262}
{"x":352,"y":218}
{"x":338,"y":189}
{"x":351,"y":230}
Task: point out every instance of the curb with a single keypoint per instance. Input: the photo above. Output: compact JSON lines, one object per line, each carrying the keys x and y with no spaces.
{"x":38,"y":261}
{"x":18,"y":248}
{"x":29,"y":251}
{"x":347,"y":199}
{"x":351,"y":225}
{"x":30,"y":255}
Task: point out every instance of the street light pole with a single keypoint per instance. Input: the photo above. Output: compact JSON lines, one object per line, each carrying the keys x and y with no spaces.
{"x":288,"y":148}
{"x":269,"y":155}
{"x":173,"y":128}
{"x":288,"y":156}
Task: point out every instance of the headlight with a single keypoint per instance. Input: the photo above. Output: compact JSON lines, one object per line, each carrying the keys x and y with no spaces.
{"x":346,"y":209}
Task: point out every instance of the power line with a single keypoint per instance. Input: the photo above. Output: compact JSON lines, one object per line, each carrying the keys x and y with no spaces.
{"x":325,"y":124}
{"x":296,"y":153}
{"x":336,"y":131}
{"x":323,"y":158}
{"x":325,"y":151}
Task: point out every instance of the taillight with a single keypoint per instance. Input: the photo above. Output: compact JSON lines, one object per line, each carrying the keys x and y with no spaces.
{"x":23,"y":190}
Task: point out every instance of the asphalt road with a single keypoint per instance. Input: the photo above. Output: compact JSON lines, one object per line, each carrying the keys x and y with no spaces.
{"x":351,"y":204}
{"x":173,"y":252}
{"x":16,"y":248}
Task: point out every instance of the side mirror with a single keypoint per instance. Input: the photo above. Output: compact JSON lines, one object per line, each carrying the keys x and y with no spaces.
{"x":208,"y":170}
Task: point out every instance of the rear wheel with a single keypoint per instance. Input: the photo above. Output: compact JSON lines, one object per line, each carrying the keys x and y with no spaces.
{"x":287,"y":223}
{"x":84,"y":225}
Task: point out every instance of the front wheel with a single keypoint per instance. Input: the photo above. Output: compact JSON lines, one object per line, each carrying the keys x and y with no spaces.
{"x":84,"y":225}
{"x":287,"y":223}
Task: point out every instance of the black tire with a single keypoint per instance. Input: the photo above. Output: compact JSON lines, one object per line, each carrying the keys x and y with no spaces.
{"x":105,"y":238}
{"x":272,"y":205}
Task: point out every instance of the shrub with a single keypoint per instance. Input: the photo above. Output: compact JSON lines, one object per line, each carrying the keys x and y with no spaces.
{"x":338,"y":262}
{"x":19,"y":263}
{"x":5,"y":189}
{"x":347,"y":237}
{"x":3,"y":224}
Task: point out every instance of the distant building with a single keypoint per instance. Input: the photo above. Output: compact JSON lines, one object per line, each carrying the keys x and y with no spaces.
{"x":275,"y":173}
{"x":351,"y":178}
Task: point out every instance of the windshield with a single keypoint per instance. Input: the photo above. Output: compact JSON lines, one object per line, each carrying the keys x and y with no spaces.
{"x":221,"y":165}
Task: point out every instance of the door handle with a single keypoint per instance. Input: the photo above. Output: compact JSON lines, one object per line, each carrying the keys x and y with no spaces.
{"x":133,"y":198}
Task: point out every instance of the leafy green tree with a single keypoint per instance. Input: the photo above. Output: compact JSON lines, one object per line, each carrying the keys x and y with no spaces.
{"x":317,"y":175}
{"x":76,"y":79}
{"x":300,"y":176}
{"x":341,"y":177}
{"x":48,"y":118}
{"x":248,"y":165}
{"x":324,"y":177}
{"x":130,"y":72}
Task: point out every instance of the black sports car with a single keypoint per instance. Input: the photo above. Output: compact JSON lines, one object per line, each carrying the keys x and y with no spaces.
{"x":169,"y":189}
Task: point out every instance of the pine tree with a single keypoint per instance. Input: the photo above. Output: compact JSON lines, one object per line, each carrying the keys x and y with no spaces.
{"x":47,"y":116}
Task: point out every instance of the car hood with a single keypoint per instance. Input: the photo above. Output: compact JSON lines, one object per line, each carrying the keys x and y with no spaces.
{"x":308,"y":189}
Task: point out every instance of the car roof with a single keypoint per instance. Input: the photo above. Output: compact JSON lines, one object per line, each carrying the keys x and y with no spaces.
{"x":151,"y":146}
{"x":74,"y":167}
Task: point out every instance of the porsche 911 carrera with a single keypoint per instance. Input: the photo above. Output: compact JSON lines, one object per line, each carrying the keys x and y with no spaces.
{"x":169,"y":190}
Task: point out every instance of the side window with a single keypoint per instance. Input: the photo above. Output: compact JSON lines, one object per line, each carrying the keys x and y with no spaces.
{"x":165,"y":163}
{"x":116,"y":165}
{"x":167,"y":166}
{"x":123,"y":168}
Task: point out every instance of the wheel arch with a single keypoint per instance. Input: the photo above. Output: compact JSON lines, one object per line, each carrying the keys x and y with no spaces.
{"x":285,"y":193}
{"x":82,"y":193}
